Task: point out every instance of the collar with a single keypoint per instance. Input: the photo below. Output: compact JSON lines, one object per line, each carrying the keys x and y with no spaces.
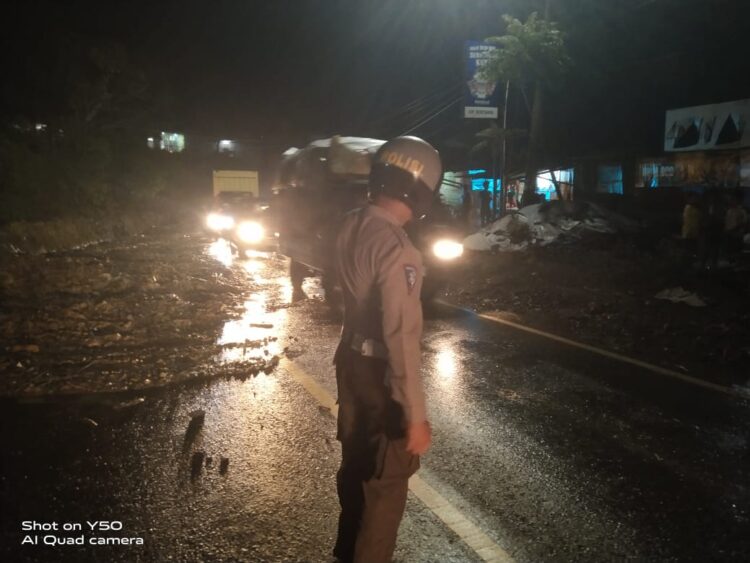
{"x":378,"y":211}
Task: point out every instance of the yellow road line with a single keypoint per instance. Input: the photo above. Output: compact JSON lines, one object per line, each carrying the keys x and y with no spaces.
{"x":485,"y":548}
{"x":601,"y":352}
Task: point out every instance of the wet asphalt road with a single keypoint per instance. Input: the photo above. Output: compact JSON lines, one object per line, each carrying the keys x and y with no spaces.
{"x":558,"y":455}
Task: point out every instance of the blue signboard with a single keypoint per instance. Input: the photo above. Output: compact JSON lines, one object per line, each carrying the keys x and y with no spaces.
{"x":481,"y":97}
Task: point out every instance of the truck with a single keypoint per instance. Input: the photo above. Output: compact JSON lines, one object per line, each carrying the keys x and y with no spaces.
{"x":235,"y":182}
{"x":237,"y":213}
{"x":316,"y":186}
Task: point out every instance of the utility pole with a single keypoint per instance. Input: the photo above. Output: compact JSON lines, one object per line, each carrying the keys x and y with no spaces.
{"x":532,"y":156}
{"x":504,"y":182}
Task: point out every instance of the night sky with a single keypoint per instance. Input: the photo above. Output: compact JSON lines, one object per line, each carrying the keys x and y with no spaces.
{"x":286,"y":71}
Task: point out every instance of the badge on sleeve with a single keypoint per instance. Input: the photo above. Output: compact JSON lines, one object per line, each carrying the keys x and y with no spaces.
{"x":411,"y":277}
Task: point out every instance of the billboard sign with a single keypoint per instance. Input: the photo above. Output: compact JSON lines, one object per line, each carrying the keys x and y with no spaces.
{"x":481,"y":97}
{"x":709,"y":127}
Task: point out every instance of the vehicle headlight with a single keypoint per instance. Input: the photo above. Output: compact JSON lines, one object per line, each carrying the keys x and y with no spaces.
{"x":251,"y":232}
{"x":446,"y":249}
{"x":219,"y":222}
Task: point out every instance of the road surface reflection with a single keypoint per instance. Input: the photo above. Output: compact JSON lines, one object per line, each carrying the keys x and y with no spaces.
{"x":259,"y":333}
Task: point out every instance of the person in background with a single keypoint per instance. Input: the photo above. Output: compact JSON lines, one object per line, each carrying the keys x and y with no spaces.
{"x":466,"y":205}
{"x":735,"y":224}
{"x":511,"y":196}
{"x":485,"y":198}
{"x":691,"y":226}
{"x":712,"y":228}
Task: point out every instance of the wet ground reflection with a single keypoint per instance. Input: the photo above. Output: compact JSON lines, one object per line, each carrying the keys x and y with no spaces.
{"x":255,"y":335}
{"x":260,"y":331}
{"x":444,"y":361}
{"x":221,"y":250}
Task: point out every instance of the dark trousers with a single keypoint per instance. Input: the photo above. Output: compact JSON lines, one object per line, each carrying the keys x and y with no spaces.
{"x":373,"y":478}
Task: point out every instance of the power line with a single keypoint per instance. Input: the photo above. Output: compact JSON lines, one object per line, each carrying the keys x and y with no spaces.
{"x":433,"y":116}
{"x":423,"y":104}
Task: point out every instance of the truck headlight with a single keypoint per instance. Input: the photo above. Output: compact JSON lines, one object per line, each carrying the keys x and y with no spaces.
{"x":446,"y":249}
{"x":250,"y":232}
{"x":219,"y":222}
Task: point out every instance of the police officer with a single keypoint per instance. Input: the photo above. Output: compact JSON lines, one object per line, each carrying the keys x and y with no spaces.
{"x":382,"y":422}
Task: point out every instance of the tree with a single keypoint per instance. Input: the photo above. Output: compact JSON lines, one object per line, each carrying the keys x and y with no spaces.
{"x":492,"y":140}
{"x":87,"y":154}
{"x":531,"y":54}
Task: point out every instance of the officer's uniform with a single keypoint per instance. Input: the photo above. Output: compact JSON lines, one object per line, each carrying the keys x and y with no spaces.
{"x":379,"y":383}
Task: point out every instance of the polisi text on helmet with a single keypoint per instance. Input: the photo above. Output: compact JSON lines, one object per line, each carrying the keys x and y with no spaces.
{"x":407,"y":163}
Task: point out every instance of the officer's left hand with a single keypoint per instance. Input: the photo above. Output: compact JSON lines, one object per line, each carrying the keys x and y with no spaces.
{"x":418,"y":438}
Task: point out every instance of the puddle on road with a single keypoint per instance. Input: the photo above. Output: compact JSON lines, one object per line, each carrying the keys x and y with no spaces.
{"x":221,"y":250}
{"x":255,"y":335}
{"x":259,"y":334}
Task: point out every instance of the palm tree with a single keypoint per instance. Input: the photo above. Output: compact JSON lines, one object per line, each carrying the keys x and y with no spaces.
{"x":530,"y":54}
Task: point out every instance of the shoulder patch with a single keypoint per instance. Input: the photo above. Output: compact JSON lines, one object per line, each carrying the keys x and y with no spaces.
{"x":411,"y":277}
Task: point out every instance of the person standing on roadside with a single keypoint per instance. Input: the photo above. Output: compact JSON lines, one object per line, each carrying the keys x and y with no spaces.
{"x":485,"y":198}
{"x":466,"y":205}
{"x":382,"y":420}
{"x":713,"y":228}
{"x":735,"y":224}
{"x":692,"y":219}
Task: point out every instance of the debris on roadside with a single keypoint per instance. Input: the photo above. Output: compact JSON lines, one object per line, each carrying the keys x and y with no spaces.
{"x":196,"y":464}
{"x":29,"y":348}
{"x":197,"y":418}
{"x":545,"y":223}
{"x":743,"y":389}
{"x":131,"y":403}
{"x":224,"y":465}
{"x":601,"y":291}
{"x":680,"y":295}
{"x":137,"y":313}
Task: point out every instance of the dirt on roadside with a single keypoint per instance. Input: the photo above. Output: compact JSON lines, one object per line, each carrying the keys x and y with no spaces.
{"x":601,"y":290}
{"x":140,"y":312}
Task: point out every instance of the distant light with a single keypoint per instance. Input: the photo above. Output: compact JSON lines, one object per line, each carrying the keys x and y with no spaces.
{"x":150,"y":143}
{"x":172,"y":142}
{"x":40,"y":126}
{"x":227,"y":146}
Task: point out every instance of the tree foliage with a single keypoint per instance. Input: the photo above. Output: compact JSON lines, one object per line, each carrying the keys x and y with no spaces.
{"x":88,"y":154}
{"x":491,"y":138}
{"x":530,"y":52}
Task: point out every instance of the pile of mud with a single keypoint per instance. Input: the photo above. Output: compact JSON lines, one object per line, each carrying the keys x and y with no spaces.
{"x":546,"y":223}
